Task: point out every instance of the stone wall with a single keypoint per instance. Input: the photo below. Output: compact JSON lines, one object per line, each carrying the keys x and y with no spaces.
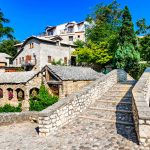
{"x":18,"y":117}
{"x":141,"y":103}
{"x":70,"y":87}
{"x":70,"y":107}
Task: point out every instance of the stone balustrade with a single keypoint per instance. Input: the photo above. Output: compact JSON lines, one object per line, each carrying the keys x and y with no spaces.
{"x":141,"y":109}
{"x":65,"y":110}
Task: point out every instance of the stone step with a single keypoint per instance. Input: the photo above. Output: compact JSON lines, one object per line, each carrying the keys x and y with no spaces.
{"x":118,"y":93}
{"x":118,"y":106}
{"x":120,"y":89}
{"x":115,"y":102}
{"x":127,"y":117}
{"x":110,"y":109}
{"x":117,"y":98}
{"x":107,"y":120}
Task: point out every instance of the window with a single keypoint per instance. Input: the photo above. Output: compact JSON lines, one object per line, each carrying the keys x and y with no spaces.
{"x":70,"y":38}
{"x":49,"y":59}
{"x":10,"y":93}
{"x":78,"y":36}
{"x":65,"y":60}
{"x":31,"y":45}
{"x":70,"y":29}
{"x":28,"y":58}
{"x":50,"y":32}
{"x":16,"y":61}
{"x":1,"y":93}
{"x":20,"y":60}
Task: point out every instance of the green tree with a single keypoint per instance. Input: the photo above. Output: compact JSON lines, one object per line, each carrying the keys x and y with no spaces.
{"x":101,"y":36}
{"x":94,"y":53}
{"x":7,"y":46}
{"x":5,"y":31}
{"x":42,"y":100}
{"x":79,"y":43}
{"x":126,"y":56}
{"x":127,"y":33}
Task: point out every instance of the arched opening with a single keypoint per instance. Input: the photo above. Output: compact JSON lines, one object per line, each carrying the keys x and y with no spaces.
{"x":1,"y":93}
{"x":10,"y":93}
{"x":20,"y":94}
{"x":34,"y":92}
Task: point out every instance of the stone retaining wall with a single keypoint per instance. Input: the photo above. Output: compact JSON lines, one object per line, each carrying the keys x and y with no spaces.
{"x":141,"y":102}
{"x":67,"y":109}
{"x":18,"y":117}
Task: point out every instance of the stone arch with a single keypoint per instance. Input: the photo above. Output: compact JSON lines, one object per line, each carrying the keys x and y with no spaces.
{"x":1,"y":93}
{"x":20,"y":94}
{"x":10,"y":93}
{"x":34,"y":92}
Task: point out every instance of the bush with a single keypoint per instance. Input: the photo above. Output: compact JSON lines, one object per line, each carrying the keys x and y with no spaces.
{"x":42,"y":100}
{"x":9,"y":108}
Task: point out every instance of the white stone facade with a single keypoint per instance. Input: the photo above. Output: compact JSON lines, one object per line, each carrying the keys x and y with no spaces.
{"x":69,"y":32}
{"x":40,"y":52}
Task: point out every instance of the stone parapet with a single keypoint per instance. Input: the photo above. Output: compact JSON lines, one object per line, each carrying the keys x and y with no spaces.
{"x":67,"y":109}
{"x":141,"y":109}
{"x":18,"y":117}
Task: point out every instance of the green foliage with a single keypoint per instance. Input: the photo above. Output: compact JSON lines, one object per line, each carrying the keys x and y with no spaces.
{"x":42,"y":100}
{"x":101,"y":35}
{"x":5,"y":31}
{"x":9,"y":108}
{"x":7,"y":46}
{"x":143,"y":28}
{"x":79,"y":43}
{"x":126,"y":56}
{"x":145,"y":48}
{"x":59,"y":62}
{"x":127,"y":34}
{"x":138,"y":70}
{"x":94,"y":53}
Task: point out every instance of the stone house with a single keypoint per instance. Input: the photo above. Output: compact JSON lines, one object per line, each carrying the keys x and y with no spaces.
{"x":36,"y":52}
{"x":69,"y":32}
{"x":4,"y":60}
{"x":15,"y":86}
{"x":64,"y":80}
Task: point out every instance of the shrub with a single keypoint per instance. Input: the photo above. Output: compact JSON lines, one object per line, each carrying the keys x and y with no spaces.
{"x":42,"y":100}
{"x":9,"y":108}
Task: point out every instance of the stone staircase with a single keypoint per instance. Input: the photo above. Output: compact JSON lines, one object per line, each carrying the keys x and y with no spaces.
{"x":115,"y":107}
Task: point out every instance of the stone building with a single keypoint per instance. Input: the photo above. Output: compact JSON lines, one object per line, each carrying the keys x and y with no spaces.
{"x":64,"y":80}
{"x":4,"y":60}
{"x":36,"y":52}
{"x":15,"y":86}
{"x":69,"y":32}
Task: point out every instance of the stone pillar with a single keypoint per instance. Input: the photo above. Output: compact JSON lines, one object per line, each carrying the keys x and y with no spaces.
{"x":25,"y":105}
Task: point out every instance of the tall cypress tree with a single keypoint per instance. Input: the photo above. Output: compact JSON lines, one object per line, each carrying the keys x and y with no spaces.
{"x":126,"y":56}
{"x":127,"y":34}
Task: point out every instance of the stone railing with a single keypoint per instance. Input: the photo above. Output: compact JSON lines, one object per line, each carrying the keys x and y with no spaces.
{"x":18,"y":117}
{"x":141,"y":109}
{"x":68,"y":108}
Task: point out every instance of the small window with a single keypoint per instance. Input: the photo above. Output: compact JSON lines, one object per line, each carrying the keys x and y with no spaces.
{"x":16,"y":61}
{"x":31,"y":45}
{"x":70,"y":38}
{"x":1,"y":93}
{"x":10,"y":93}
{"x":49,"y":59}
{"x":79,"y":36}
{"x":65,"y":60}
{"x":20,"y":60}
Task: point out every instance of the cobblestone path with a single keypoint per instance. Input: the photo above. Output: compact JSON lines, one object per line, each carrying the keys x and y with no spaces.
{"x":105,"y":125}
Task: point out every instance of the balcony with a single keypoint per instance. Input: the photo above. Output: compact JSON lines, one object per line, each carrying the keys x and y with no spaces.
{"x":28,"y":63}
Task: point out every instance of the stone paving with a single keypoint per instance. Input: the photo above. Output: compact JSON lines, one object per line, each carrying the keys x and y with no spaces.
{"x":78,"y":135}
{"x":94,"y":129}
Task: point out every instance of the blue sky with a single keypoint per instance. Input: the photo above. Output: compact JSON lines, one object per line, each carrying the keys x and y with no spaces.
{"x":30,"y":17}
